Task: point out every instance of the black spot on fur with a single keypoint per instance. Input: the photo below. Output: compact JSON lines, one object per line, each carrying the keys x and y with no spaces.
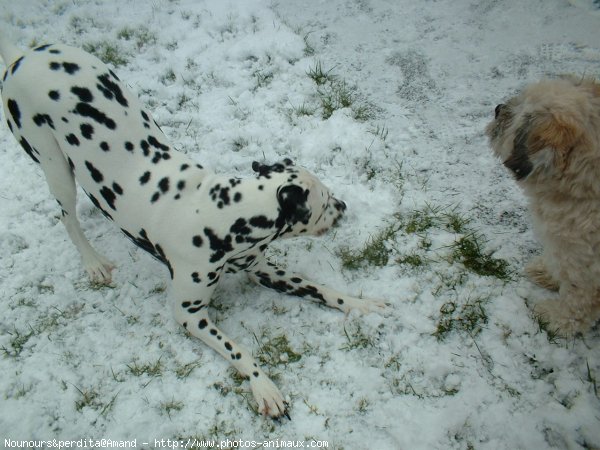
{"x":240,"y":227}
{"x":104,"y":146}
{"x":145,"y":178}
{"x":70,"y":68}
{"x":98,"y":205}
{"x":41,"y":48}
{"x":117,"y":189}
{"x":129,"y":146}
{"x":155,"y":250}
{"x":29,"y":149}
{"x":41,"y":119}
{"x":87,"y":131}
{"x":145,"y":147}
{"x":87,"y":110}
{"x":95,"y":173}
{"x":261,"y":222}
{"x":111,"y":90}
{"x":220,"y":246}
{"x":163,"y":184}
{"x":54,"y":95}
{"x":228,"y":346}
{"x":84,"y":94}
{"x":184,"y":167}
{"x":197,"y":241}
{"x":15,"y":65}
{"x":114,"y":75}
{"x":13,"y":109}
{"x":72,"y":139}
{"x":54,"y":66}
{"x":202,"y":324}
{"x":155,"y":143}
{"x":109,"y":196}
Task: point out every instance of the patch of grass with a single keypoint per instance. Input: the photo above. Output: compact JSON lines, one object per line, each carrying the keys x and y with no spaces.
{"x":469,"y":317}
{"x":171,"y":406}
{"x":151,"y":369}
{"x":357,"y":338}
{"x":456,"y":222}
{"x":320,"y":76}
{"x":380,"y":131}
{"x":262,"y":79}
{"x":88,"y":399}
{"x":168,"y":77}
{"x":107,"y":52}
{"x":413,"y":260}
{"x":375,"y":252}
{"x":591,"y":378}
{"x":421,"y":220}
{"x":552,"y":334}
{"x":363,"y":405}
{"x":468,"y":250}
{"x":184,"y":371}
{"x":140,"y":36}
{"x":17,"y":342}
{"x":275,"y":350}
{"x":303,"y":110}
{"x":239,"y":144}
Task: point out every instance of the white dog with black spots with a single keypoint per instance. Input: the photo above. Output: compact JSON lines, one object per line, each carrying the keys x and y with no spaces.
{"x":74,"y":117}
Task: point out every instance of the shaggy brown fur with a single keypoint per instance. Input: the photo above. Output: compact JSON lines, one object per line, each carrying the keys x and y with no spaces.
{"x":549,"y":137}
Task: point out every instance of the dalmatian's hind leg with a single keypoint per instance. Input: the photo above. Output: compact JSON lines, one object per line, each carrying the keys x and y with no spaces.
{"x":61,"y":182}
{"x":269,"y":275}
{"x":190,"y":302}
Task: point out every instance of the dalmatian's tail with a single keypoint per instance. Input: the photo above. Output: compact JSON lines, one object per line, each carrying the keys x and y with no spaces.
{"x":8,"y":51}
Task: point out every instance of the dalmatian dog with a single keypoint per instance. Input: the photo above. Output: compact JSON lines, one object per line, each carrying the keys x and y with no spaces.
{"x":74,"y":117}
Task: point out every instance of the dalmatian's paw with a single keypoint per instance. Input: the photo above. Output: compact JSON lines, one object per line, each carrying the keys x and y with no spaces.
{"x":269,"y":399}
{"x":98,"y":269}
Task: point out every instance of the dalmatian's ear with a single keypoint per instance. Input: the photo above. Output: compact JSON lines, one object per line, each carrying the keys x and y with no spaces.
{"x":293,"y":202}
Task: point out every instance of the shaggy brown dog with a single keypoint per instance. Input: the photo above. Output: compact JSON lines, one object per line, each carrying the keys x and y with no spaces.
{"x":549,"y":137}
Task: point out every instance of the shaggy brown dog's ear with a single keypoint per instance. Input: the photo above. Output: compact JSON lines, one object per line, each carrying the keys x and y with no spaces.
{"x":558,"y":132}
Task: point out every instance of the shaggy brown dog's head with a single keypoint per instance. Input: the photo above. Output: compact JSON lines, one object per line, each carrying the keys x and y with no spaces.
{"x":550,"y":134}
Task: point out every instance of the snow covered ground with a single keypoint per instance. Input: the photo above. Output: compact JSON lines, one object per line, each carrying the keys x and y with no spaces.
{"x":460,"y":362}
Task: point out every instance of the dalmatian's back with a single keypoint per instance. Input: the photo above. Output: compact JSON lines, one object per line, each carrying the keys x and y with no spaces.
{"x":119,"y":155}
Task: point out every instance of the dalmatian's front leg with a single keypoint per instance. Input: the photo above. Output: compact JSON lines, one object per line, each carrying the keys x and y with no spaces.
{"x":267,"y":274}
{"x":190,"y":305}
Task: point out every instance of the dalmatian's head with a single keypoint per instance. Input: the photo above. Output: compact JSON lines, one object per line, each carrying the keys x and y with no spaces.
{"x":306,"y":206}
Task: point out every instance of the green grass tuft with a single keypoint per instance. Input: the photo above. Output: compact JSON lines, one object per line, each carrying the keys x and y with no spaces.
{"x":468,"y":250}
{"x":107,"y":52}
{"x":150,"y":369}
{"x":469,"y":318}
